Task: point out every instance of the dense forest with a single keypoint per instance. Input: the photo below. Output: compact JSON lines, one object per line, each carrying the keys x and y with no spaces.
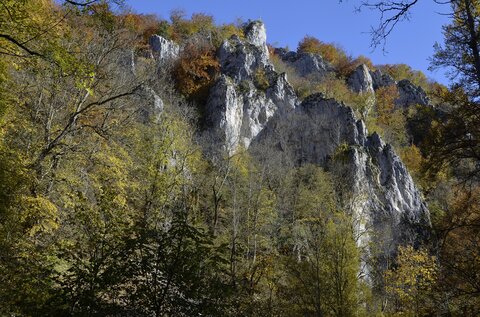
{"x":118,"y":198}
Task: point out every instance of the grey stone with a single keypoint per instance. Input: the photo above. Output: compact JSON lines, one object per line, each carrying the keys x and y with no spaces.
{"x":256,"y":34}
{"x":237,"y":114}
{"x":389,"y":207}
{"x":305,"y":64}
{"x":380,"y":79}
{"x":410,"y":95}
{"x":164,"y":49}
{"x":360,"y":80}
{"x":239,"y":59}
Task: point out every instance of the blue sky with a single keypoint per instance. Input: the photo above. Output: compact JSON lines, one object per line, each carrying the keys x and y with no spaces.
{"x":289,"y":21}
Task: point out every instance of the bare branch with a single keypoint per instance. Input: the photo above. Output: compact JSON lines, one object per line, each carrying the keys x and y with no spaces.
{"x":20,"y":45}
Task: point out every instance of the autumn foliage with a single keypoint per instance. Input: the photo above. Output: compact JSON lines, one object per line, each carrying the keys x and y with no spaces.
{"x":330,"y":52}
{"x":335,"y":55}
{"x":196,"y":70}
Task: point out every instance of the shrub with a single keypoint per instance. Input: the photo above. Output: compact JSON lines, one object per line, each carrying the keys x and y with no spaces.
{"x":346,"y":67}
{"x":183,"y":28}
{"x":261,"y":80}
{"x":413,"y":159}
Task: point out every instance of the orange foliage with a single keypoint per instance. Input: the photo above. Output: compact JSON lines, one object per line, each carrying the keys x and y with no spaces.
{"x":145,"y":25}
{"x":310,"y":44}
{"x":364,"y":60}
{"x":413,"y":159}
{"x":385,"y":101}
{"x":196,"y":70}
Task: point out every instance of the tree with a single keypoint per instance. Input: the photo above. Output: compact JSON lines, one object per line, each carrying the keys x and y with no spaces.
{"x":454,"y":139}
{"x":460,"y":52}
{"x":322,"y":269}
{"x":459,"y":239}
{"x":61,"y":223}
{"x":411,"y":283}
{"x":390,"y":120}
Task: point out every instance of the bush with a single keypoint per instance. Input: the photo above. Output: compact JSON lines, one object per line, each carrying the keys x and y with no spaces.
{"x":413,"y":159}
{"x":261,"y":80}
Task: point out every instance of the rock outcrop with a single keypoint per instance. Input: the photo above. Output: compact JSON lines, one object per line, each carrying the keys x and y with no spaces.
{"x":245,"y":110}
{"x":240,"y":59}
{"x":249,"y":92}
{"x":256,"y":34}
{"x":385,"y":199}
{"x":305,"y":64}
{"x":380,"y":79}
{"x":410,"y":94}
{"x":163,"y":49}
{"x":360,"y":81}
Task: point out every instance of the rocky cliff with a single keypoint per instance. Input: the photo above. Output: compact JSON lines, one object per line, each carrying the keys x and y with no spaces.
{"x":306,"y":64}
{"x":364,"y":80}
{"x":384,"y":199}
{"x":249,"y":92}
{"x":251,"y":105}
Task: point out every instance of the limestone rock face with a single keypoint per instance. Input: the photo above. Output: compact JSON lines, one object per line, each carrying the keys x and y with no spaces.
{"x":256,"y":34}
{"x":380,"y":79}
{"x":239,"y":106}
{"x":360,"y":81}
{"x":164,"y":49}
{"x":386,"y":199}
{"x":127,"y":61}
{"x":251,"y":105}
{"x":305,"y":64}
{"x":238,"y":114}
{"x":240,"y":59}
{"x":312,"y":132}
{"x":153,"y":106}
{"x":399,"y":211}
{"x":410,"y":94}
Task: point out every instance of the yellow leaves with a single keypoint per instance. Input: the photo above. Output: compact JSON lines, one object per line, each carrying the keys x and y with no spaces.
{"x":411,"y":282}
{"x":403,"y":71}
{"x":228,"y":30}
{"x":385,"y":98}
{"x":332,"y":53}
{"x":389,"y":122}
{"x":86,"y":81}
{"x":260,"y":79}
{"x":39,"y":215}
{"x":315,"y":193}
{"x":413,"y":159}
{"x":242,"y":163}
